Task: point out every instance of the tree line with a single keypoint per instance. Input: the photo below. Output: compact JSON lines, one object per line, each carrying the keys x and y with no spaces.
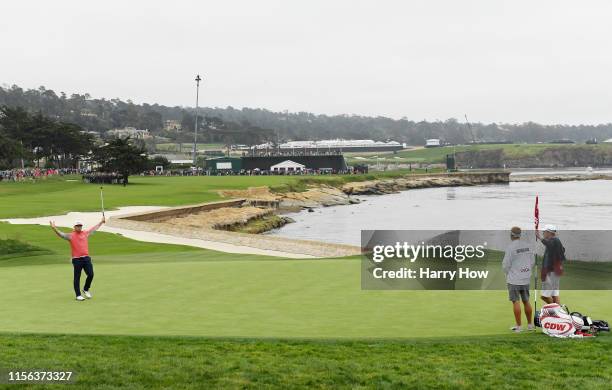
{"x":34,"y":140}
{"x":249,"y":125}
{"x":33,"y":137}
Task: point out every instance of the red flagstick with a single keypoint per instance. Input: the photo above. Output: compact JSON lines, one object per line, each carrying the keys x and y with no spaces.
{"x":536,"y":214}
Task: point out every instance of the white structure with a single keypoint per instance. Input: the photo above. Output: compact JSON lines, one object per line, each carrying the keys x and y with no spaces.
{"x":181,"y":161}
{"x":433,"y":143}
{"x":129,"y":132}
{"x":608,"y":141}
{"x":343,"y":144}
{"x":287,"y":166}
{"x":172,"y":125}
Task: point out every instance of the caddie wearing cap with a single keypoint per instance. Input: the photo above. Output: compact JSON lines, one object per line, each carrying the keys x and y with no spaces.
{"x":552,"y":264}
{"x":518,"y":263}
{"x":80,"y":255}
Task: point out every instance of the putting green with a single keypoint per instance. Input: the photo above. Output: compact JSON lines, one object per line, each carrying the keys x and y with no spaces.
{"x":172,"y":290}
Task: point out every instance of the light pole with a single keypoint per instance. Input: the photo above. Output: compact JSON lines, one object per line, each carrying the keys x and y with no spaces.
{"x":195,"y":136}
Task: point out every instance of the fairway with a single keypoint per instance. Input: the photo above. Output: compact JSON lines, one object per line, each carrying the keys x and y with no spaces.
{"x":438,"y":155}
{"x":59,"y":195}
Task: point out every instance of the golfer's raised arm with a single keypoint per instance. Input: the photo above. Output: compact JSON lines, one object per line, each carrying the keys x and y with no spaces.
{"x":96,"y":227}
{"x":59,"y":233}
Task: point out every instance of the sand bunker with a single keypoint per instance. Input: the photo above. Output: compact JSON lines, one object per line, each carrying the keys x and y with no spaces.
{"x":91,"y":218}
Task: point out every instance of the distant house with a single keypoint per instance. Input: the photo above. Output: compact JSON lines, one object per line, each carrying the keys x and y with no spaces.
{"x":173,"y":125}
{"x":86,"y":112}
{"x":287,"y":166}
{"x":129,"y":132}
{"x":608,"y":141}
{"x":433,"y":143}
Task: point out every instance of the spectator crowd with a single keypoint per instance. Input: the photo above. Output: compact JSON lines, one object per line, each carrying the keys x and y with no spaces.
{"x":34,"y":173}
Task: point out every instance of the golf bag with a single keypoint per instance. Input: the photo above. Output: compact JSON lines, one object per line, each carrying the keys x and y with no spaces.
{"x":556,"y":321}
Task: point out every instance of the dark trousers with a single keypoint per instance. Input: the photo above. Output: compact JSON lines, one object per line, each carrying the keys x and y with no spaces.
{"x":82,"y":264}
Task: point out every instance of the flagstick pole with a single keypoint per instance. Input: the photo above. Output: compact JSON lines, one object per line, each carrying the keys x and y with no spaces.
{"x":535,"y":292}
{"x":535,"y":275}
{"x":102,"y":200}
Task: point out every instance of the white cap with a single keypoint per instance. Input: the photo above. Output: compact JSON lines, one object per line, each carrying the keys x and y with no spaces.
{"x":550,"y":228}
{"x":76,"y":223}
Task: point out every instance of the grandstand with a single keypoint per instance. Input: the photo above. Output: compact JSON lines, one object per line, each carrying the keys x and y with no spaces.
{"x":341,"y":145}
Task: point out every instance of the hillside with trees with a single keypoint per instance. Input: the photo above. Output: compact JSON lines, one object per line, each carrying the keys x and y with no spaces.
{"x":248,"y":125}
{"x":35,"y":140}
{"x":35,"y":137}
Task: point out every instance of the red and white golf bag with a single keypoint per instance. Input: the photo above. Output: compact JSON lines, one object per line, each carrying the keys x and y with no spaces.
{"x":557,"y":322}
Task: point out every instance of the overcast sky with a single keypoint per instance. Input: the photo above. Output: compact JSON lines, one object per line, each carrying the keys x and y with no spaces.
{"x":494,"y":60}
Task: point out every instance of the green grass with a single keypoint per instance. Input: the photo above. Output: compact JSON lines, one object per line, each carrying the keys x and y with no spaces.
{"x":509,"y":362}
{"x":12,"y":247}
{"x":254,"y":321}
{"x":260,"y":225}
{"x":60,"y":195}
{"x":222,"y":320}
{"x":49,"y":249}
{"x":156,"y":289}
{"x":438,"y":155}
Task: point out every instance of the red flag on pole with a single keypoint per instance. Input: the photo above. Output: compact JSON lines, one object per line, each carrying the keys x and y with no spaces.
{"x":536,"y":215}
{"x":536,"y":221}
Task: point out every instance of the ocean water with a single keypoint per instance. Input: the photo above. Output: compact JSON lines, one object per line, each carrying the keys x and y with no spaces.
{"x":572,"y":205}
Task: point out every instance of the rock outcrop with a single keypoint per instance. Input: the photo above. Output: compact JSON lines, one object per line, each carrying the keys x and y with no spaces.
{"x":315,"y":196}
{"x":389,"y":186}
{"x":566,"y":177}
{"x":324,"y":195}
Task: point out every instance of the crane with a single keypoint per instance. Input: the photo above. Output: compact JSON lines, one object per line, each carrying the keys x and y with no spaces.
{"x":470,"y":127}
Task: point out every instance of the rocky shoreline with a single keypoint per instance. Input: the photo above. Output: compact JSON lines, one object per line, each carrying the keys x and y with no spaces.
{"x":565,"y":177}
{"x":325,"y":195}
{"x":258,"y":209}
{"x":390,"y":186}
{"x":245,"y":213}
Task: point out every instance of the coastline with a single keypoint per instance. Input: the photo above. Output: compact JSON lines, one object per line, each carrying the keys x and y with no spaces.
{"x":210,"y":221}
{"x":211,"y":225}
{"x":559,"y":177}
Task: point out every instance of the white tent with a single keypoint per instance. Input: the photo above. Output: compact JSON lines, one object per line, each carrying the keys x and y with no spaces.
{"x":287,"y":166}
{"x":608,"y":141}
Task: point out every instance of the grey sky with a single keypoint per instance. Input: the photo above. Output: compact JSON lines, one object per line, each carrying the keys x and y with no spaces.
{"x":496,"y":60}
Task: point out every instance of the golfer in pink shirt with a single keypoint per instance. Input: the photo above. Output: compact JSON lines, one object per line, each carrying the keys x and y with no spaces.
{"x":80,"y":255}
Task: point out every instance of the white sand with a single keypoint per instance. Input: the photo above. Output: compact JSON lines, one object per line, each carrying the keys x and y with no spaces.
{"x":91,"y":218}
